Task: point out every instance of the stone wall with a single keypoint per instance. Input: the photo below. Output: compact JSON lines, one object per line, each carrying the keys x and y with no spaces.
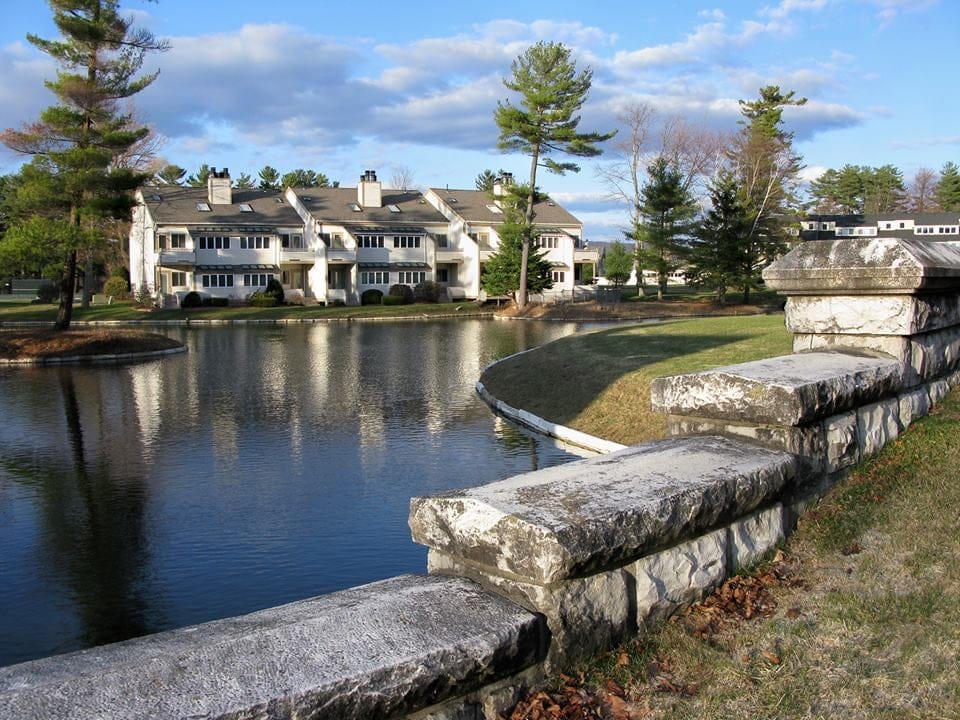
{"x":536,"y":571}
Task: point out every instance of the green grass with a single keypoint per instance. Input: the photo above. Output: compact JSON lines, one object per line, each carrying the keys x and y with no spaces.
{"x":691,"y":292}
{"x":599,"y":382}
{"x":873,"y":628}
{"x":126,"y":311}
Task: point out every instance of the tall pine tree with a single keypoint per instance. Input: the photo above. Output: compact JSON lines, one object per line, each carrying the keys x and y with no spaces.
{"x":501,"y":273}
{"x":948,"y":188}
{"x":545,"y":122}
{"x":77,"y":141}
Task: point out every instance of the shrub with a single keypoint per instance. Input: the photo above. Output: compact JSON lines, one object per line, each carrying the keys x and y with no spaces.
{"x":401,"y":291}
{"x":275,"y":290}
{"x":371,"y":297}
{"x":48,"y":293}
{"x":219,"y":302}
{"x":143,"y":298}
{"x":116,"y":286}
{"x":336,"y":303}
{"x":260,"y":299}
{"x":427,"y":292}
{"x":393,"y":300}
{"x":191,"y":300}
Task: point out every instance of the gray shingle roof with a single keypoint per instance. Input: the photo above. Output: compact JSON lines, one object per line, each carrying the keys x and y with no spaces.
{"x":471,"y":205}
{"x":172,"y":205}
{"x":332,"y":206}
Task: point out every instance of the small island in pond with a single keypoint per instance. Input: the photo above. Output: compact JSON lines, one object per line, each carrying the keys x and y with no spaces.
{"x":46,"y":344}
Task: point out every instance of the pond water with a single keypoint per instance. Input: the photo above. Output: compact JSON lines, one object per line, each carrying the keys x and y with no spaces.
{"x":267,"y":464}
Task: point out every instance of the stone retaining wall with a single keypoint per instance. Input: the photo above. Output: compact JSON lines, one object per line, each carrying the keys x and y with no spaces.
{"x":535,"y":571}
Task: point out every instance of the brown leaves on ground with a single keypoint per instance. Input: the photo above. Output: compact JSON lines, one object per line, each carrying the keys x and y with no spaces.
{"x":18,"y":344}
{"x":573,"y":701}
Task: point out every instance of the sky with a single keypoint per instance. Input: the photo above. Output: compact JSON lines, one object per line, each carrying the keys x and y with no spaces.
{"x":342,"y":88}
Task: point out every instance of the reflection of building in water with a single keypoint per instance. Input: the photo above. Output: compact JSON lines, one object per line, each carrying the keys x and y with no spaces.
{"x":146,"y":388}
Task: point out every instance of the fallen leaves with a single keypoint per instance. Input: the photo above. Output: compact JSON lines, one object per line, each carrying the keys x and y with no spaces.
{"x":573,"y":701}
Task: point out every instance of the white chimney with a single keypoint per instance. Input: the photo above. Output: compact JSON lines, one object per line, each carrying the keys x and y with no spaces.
{"x":219,"y":191}
{"x":500,"y":185}
{"x":369,"y":190}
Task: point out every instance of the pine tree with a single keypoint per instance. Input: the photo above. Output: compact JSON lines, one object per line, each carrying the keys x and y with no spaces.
{"x":100,"y":54}
{"x":269,"y":178}
{"x":199,"y":180}
{"x":551,"y":94}
{"x":716,"y":251}
{"x":617,"y":263}
{"x":170,"y":175}
{"x":244,"y":182}
{"x":666,"y":212}
{"x":948,"y":188}
{"x":485,"y":181}
{"x":501,"y":273}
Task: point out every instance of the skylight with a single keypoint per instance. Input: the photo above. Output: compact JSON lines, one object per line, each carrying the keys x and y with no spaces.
{"x":155,"y":198}
{"x":203,"y":207}
{"x":355,"y":207}
{"x":245,"y":207}
{"x":393,"y":208}
{"x":495,"y":209}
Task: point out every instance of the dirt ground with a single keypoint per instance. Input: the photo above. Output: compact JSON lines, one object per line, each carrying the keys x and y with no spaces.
{"x":20,"y":344}
{"x":648,"y":309}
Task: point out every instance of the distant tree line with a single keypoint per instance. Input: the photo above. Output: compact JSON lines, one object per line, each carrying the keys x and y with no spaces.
{"x":268,"y":178}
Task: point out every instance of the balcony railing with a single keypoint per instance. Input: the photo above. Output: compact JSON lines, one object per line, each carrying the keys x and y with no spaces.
{"x":172,"y":257}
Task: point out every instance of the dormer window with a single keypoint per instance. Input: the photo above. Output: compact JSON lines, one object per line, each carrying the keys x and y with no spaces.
{"x":203,"y":207}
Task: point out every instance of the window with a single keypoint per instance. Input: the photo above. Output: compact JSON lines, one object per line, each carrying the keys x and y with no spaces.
{"x":411,"y":277}
{"x":212,"y":281}
{"x":178,"y":240}
{"x":393,"y":208}
{"x":442,"y":240}
{"x":443,"y":275}
{"x":178,"y":279}
{"x":255,"y":242}
{"x":161,"y":242}
{"x":214,"y":242}
{"x":406,"y":241}
{"x":902,"y":225}
{"x":375,"y":277}
{"x":557,"y":276}
{"x":256,"y":279}
{"x":548,"y":242}
{"x":370,"y":241}
{"x":482,"y":238}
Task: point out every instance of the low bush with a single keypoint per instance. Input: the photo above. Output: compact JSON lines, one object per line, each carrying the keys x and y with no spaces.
{"x":191,"y":300}
{"x":219,"y":302}
{"x":371,"y":297}
{"x":48,"y":293}
{"x":393,"y":300}
{"x":336,"y":303}
{"x":116,"y":286}
{"x":260,"y":299}
{"x":401,"y":291}
{"x":427,"y":292}
{"x":275,"y":290}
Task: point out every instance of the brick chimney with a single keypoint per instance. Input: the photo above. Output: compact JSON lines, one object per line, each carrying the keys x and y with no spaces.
{"x":369,"y":190}
{"x":219,"y":190}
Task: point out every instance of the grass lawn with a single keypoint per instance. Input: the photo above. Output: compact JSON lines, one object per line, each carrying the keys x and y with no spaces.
{"x":599,"y":382}
{"x":859,"y":616}
{"x":126,"y":311}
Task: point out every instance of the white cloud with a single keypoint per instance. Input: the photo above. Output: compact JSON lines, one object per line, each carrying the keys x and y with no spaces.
{"x":926,"y":142}
{"x":789,"y":7}
{"x":888,"y":10}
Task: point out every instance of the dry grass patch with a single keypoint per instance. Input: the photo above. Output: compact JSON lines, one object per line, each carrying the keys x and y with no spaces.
{"x":21,"y":344}
{"x":599,"y":382}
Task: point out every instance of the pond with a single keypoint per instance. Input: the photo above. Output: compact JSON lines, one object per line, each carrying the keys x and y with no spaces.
{"x":266,"y":465}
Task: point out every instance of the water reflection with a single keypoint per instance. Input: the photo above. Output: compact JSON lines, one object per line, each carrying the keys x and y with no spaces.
{"x":266,"y":465}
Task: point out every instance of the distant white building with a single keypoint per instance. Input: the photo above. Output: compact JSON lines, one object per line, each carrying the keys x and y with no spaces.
{"x":329,"y":244}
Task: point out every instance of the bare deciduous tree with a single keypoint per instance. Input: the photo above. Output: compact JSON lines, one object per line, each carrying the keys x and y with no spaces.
{"x":401,"y":178}
{"x":921,"y":196}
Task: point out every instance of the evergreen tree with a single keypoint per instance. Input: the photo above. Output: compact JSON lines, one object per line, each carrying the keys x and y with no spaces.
{"x":201,"y":176}
{"x":666,"y":212}
{"x":485,"y":181}
{"x":170,"y":175}
{"x":857,"y":189}
{"x":299,"y":178}
{"x":244,"y":182}
{"x":617,"y":263}
{"x":948,"y":188}
{"x":269,"y":178}
{"x":100,"y":54}
{"x":716,"y":251}
{"x":501,"y":274}
{"x":545,"y":122}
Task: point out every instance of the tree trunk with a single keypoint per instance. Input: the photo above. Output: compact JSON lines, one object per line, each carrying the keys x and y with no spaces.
{"x":528,"y":230}
{"x":87,"y":283}
{"x":67,"y":285}
{"x":524,"y":258}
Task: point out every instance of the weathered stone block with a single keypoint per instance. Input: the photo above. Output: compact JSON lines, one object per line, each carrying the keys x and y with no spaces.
{"x":585,"y":615}
{"x":755,"y":535}
{"x":842,"y":440}
{"x":865,"y":266}
{"x":678,"y":576}
{"x":378,"y":650}
{"x":897,"y":347}
{"x":938,"y":390}
{"x":913,"y":405}
{"x":576,"y":519}
{"x":877,"y":424}
{"x":902,"y":315}
{"x":788,"y":390}
{"x":936,"y":354}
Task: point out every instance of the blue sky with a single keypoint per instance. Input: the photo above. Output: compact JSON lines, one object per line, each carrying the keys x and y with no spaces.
{"x":340,"y":89}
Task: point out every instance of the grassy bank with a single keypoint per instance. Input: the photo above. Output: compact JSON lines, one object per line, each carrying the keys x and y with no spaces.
{"x":127,"y":311}
{"x":599,"y":382}
{"x":859,"y":617}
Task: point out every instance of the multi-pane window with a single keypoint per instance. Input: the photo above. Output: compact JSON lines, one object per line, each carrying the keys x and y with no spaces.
{"x":161,"y":242}
{"x":557,"y":276}
{"x":178,"y":240}
{"x":443,"y":275}
{"x":291,"y":241}
{"x":442,"y":240}
{"x":178,"y":279}
{"x":256,"y":279}
{"x":548,"y":242}
{"x":375,"y":277}
{"x":209,"y":281}
{"x":255,"y":242}
{"x":411,"y":277}
{"x":370,"y":241}
{"x":406,"y":241}
{"x":213,"y":242}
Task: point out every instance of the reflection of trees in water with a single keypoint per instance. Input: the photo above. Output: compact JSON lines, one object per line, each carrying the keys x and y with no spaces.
{"x":92,"y":513}
{"x":516,"y":440}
